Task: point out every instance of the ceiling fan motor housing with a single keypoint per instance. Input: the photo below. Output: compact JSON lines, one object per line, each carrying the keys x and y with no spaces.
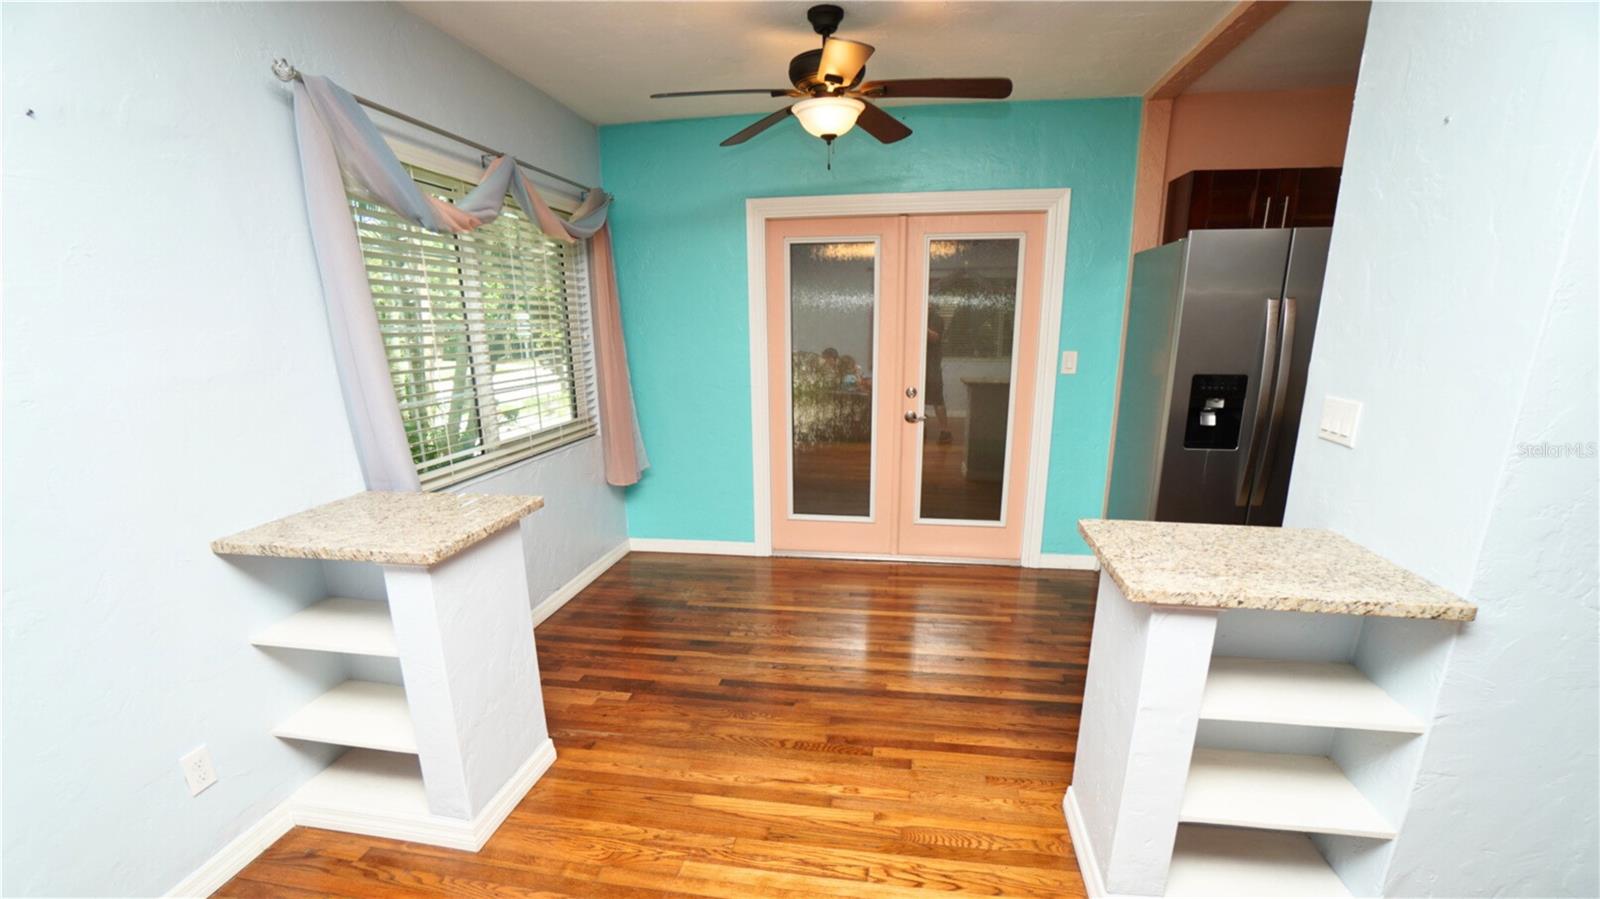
{"x":803,"y":73}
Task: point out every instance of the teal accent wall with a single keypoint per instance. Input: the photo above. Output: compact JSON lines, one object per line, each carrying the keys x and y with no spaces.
{"x":679,"y":228}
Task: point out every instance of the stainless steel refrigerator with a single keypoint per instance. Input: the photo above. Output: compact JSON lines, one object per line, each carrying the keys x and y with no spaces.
{"x":1220,"y":325}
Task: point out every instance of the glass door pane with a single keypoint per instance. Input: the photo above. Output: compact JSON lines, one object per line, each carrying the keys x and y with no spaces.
{"x":832,"y":349}
{"x":971,"y":318}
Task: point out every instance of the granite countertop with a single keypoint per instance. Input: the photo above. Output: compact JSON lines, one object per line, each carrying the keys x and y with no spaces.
{"x":1216,"y":566}
{"x":387,"y":528}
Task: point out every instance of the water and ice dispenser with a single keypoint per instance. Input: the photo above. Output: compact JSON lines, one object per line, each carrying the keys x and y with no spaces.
{"x":1216,"y":411}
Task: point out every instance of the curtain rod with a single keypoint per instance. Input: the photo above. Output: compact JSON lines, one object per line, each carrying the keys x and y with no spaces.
{"x":287,"y":73}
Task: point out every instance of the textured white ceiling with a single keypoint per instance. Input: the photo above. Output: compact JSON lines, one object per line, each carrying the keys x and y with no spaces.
{"x":604,"y":59}
{"x":1309,"y":44}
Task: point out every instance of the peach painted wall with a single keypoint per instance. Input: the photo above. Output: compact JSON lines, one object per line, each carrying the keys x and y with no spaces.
{"x":1269,"y":129}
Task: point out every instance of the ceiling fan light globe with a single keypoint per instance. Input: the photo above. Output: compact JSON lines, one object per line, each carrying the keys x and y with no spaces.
{"x":826,"y":117}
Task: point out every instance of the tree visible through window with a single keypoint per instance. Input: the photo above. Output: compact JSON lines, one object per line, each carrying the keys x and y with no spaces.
{"x":487,"y":335}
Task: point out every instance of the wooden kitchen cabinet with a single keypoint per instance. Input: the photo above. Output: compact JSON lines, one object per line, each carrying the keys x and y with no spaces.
{"x":1251,"y":198}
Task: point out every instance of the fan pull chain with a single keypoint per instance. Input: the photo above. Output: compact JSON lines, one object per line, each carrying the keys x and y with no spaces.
{"x":830,"y":155}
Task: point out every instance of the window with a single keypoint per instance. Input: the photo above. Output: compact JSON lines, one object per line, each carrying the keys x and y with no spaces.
{"x":487,"y":336}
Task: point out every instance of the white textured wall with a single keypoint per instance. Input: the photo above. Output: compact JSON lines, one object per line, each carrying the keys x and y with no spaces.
{"x":1110,"y":705}
{"x":582,"y":519}
{"x":474,"y":693}
{"x":1147,"y":667}
{"x":1460,"y":307}
{"x":168,"y":379}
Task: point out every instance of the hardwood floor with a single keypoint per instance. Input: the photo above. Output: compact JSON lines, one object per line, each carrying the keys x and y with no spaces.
{"x":774,"y":727}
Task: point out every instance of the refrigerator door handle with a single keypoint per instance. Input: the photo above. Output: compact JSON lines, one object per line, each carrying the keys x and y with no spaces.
{"x":1280,"y":391}
{"x":1269,"y":358}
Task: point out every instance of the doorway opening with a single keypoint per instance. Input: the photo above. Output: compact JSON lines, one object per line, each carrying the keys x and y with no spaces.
{"x":902,"y":378}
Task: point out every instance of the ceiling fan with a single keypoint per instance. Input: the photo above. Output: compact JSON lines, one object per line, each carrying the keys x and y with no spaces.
{"x":835,"y":98}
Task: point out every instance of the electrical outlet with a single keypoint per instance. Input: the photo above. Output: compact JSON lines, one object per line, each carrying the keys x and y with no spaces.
{"x":197,"y":770}
{"x":1069,"y":362}
{"x":1339,"y":420}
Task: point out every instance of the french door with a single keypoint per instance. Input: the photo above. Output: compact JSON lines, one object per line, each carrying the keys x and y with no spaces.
{"x":901,"y":358}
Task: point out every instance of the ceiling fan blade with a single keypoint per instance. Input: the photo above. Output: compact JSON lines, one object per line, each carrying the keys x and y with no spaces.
{"x":842,"y":61}
{"x":771,"y":92}
{"x":886,"y":128}
{"x":757,"y":127}
{"x":961,"y":88}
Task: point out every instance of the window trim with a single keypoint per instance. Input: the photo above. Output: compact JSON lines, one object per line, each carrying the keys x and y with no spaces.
{"x":586,"y":386}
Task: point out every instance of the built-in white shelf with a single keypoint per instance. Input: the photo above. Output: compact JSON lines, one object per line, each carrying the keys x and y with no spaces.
{"x":1274,"y":791}
{"x":1316,"y":694}
{"x":454,"y":616}
{"x":382,"y":794}
{"x":1323,"y":751}
{"x":356,"y":713}
{"x":381,"y":783}
{"x":1229,"y":862}
{"x":354,"y":626}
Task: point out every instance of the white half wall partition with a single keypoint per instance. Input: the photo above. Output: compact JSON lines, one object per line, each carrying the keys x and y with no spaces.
{"x":1460,"y":308}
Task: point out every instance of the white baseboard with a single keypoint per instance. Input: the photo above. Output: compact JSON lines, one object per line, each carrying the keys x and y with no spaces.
{"x":1088,"y":862}
{"x":242,"y":850}
{"x":1067,"y":562}
{"x":469,"y":834}
{"x":584,"y":578}
{"x":694,"y":547}
{"x":506,"y":798}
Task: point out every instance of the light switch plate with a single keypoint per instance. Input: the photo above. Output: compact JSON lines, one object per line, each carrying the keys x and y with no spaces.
{"x":1339,"y":420}
{"x":1069,"y":362}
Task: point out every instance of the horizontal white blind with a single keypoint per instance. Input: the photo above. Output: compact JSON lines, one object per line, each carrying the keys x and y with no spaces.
{"x":487,"y":335}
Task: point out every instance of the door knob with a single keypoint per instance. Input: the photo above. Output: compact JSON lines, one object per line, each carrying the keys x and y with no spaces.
{"x":914,"y":417}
